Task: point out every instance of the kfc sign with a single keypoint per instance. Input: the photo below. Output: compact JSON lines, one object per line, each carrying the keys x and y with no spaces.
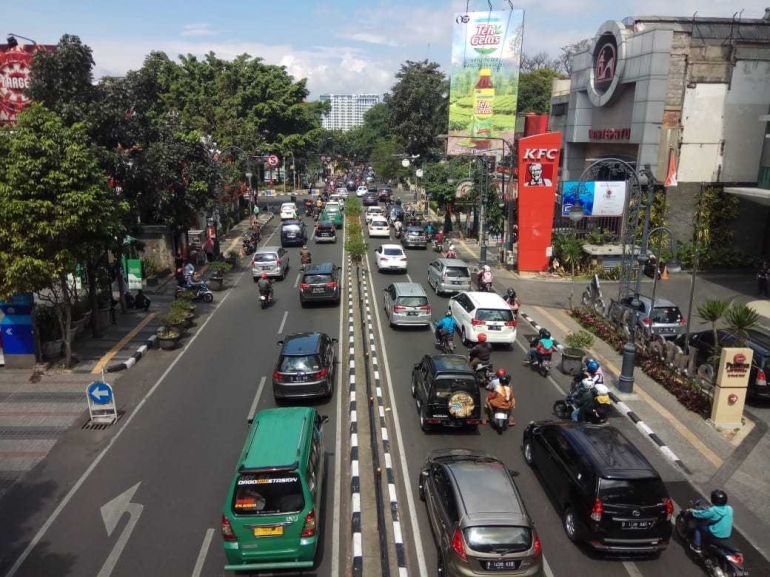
{"x":15,"y":63}
{"x":535,"y":154}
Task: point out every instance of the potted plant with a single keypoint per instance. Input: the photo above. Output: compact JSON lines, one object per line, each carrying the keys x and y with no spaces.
{"x":231,"y":258}
{"x":184,"y":312}
{"x":168,"y":337}
{"x":572,"y":356}
{"x":184,"y":306}
{"x":49,"y":331}
{"x":176,"y":320}
{"x":150,"y":268}
{"x":218,"y":269}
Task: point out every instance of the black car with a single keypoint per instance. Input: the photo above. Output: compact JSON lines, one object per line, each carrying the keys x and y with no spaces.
{"x":385,"y":195}
{"x":370,"y":186}
{"x":320,"y":283}
{"x":305,"y":367}
{"x":610,"y":496}
{"x":351,"y":185}
{"x":446,"y":392}
{"x":325,"y":231}
{"x":702,"y":344}
{"x":370,"y":199}
{"x":293,"y":232}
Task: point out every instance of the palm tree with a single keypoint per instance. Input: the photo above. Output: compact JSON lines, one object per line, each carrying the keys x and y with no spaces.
{"x":711,"y":311}
{"x":740,"y":320}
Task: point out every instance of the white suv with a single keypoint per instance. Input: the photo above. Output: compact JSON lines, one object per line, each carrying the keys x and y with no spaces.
{"x":288,"y":211}
{"x":482,"y":312}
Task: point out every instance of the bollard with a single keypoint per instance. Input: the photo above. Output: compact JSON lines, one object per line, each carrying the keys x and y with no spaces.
{"x":626,"y":379}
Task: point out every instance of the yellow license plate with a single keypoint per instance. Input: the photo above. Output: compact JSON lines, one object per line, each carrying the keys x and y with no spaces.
{"x":268,"y":531}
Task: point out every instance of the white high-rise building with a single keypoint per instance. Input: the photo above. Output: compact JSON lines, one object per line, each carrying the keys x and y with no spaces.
{"x":347,"y":110}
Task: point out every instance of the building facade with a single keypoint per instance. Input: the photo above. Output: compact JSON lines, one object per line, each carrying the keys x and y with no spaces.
{"x":347,"y":110}
{"x":649,"y":85}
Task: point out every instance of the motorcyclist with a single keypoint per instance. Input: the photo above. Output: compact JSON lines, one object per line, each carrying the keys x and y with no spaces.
{"x":481,"y":352}
{"x":397,"y":228}
{"x":582,"y":398}
{"x":445,"y":325}
{"x":485,"y":276}
{"x":429,"y":230}
{"x":594,"y":372}
{"x":265,"y":286}
{"x":715,"y":522}
{"x":513,"y":301}
{"x":501,"y":399}
{"x":304,"y":255}
{"x":451,"y":253}
{"x":439,"y":238}
{"x":540,"y":346}
{"x":602,"y":401}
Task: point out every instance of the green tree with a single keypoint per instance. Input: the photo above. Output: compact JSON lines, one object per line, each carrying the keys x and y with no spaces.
{"x":417,"y":107}
{"x":535,"y":91}
{"x":385,"y":160}
{"x":712,"y":311}
{"x":740,"y":320}
{"x":55,"y":209}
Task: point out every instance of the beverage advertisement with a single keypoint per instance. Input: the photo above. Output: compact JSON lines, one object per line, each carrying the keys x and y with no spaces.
{"x":486,"y":52}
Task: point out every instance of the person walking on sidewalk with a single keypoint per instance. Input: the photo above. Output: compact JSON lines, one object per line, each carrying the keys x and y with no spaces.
{"x":762,"y":278}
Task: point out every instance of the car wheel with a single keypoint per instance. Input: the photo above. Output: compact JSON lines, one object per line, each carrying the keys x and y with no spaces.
{"x":424,"y":425}
{"x":255,"y":279}
{"x":420,"y":488}
{"x":414,"y":388}
{"x":527,"y":450}
{"x":441,"y":566}
{"x":464,"y":340}
{"x":571,"y":525}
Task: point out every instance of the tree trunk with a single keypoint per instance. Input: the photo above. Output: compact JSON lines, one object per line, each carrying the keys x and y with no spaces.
{"x":121,"y":286}
{"x":65,"y":321}
{"x":96,"y":328}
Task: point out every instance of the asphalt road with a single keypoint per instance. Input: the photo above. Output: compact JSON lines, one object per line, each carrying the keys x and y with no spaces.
{"x":180,"y":451}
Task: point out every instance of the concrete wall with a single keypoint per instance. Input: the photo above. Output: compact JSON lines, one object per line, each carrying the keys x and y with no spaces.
{"x":702,"y":133}
{"x":158,"y":245}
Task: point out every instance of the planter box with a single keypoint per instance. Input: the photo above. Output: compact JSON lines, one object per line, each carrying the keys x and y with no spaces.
{"x":217,"y":284}
{"x":52,"y":349}
{"x":168,"y":343}
{"x":572,"y":361}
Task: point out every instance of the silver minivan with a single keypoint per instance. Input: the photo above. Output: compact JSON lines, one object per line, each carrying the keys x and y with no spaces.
{"x":406,"y":304}
{"x":449,"y":275}
{"x":273,"y":260}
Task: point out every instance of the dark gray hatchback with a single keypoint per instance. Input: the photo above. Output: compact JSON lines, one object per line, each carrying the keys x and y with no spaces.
{"x":305,"y":367}
{"x":319,"y":283}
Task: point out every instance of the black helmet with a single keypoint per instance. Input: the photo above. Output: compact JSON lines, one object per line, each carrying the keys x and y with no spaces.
{"x":511,"y":293}
{"x":544,"y":334}
{"x":718,"y":497}
{"x":505,"y":380}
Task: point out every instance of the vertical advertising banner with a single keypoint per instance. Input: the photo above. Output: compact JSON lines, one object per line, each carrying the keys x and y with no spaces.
{"x":15,"y":63}
{"x":538,"y":172}
{"x":486,"y":51}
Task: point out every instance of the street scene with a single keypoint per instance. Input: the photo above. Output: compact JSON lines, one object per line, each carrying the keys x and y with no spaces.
{"x":501,"y":308}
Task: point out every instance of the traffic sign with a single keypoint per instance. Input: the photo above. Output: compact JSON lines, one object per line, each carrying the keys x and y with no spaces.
{"x":101,"y":403}
{"x":272,"y":161}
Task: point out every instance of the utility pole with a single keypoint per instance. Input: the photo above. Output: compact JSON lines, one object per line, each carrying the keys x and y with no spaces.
{"x":483,"y":214}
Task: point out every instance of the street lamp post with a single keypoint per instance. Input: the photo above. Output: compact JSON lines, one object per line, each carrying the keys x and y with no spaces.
{"x":672,"y":266}
{"x":576,"y":214}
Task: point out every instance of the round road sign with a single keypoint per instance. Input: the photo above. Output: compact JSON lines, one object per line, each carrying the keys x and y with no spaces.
{"x":272,"y":161}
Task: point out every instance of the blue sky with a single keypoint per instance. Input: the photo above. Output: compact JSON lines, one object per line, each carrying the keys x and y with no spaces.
{"x":339,"y":45}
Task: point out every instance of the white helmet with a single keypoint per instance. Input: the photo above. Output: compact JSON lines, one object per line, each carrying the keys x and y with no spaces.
{"x":601,"y":389}
{"x":486,"y":268}
{"x":451,"y":247}
{"x":588,"y":383}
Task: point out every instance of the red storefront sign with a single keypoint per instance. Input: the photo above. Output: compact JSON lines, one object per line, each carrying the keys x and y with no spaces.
{"x":610,"y":134}
{"x":538,"y":172}
{"x":15,"y":63}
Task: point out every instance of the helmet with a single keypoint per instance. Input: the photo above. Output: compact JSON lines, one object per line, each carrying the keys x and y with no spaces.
{"x":544,"y":334}
{"x":264,"y":275}
{"x":304,"y":247}
{"x":587,"y":383}
{"x":482,"y":338}
{"x":448,"y":314}
{"x":592,"y":365}
{"x":505,"y":380}
{"x":601,"y":389}
{"x":451,"y":247}
{"x":501,"y":373}
{"x":486,"y":268}
{"x":718,"y":497}
{"x":511,"y":293}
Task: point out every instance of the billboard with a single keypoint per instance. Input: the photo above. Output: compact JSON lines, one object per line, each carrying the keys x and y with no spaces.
{"x":15,"y":63}
{"x":486,"y":51}
{"x":538,"y":173}
{"x":598,"y":198}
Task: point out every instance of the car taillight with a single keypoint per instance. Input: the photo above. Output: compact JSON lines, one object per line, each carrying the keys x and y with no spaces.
{"x":646,"y":322}
{"x":402,"y":258}
{"x":761,"y":378}
{"x":596,"y":512}
{"x":669,"y":508}
{"x":682,"y":322}
{"x":308,"y":530}
{"x":736,"y":558}
{"x":227,"y":530}
{"x":321,"y":374}
{"x":331,"y":285}
{"x":304,"y":286}
{"x":476,"y":322}
{"x":458,"y":545}
{"x":277,"y":376}
{"x":510,"y":323}
{"x":538,"y":547}
{"x":424,"y":308}
{"x":399,"y":308}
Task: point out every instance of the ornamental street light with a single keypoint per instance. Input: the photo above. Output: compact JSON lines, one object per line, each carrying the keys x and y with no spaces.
{"x":13,"y":43}
{"x":672,"y":266}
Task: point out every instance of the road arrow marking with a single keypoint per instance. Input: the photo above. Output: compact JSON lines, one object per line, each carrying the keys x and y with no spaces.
{"x":112,"y":512}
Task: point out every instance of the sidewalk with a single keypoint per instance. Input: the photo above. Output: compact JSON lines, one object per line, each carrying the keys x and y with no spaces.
{"x":740,"y":465}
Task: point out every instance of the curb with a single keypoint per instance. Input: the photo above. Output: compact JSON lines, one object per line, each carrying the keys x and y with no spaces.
{"x":135,"y":358}
{"x":626,"y":410}
{"x":355,"y":481}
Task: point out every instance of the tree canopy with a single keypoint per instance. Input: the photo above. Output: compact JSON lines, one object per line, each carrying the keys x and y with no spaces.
{"x":535,"y":91}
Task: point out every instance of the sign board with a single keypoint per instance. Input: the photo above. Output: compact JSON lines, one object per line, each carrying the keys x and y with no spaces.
{"x":134,"y":274}
{"x":272,"y":161}
{"x":15,"y":65}
{"x":598,"y":198}
{"x":101,"y":403}
{"x":463,"y":189}
{"x":731,"y":384}
{"x":16,"y":335}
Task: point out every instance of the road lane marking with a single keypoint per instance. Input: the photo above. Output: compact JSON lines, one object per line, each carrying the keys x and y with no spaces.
{"x":632,"y":569}
{"x":203,"y":552}
{"x":84,"y":477}
{"x":336,"y":525}
{"x":283,"y":322}
{"x":409,"y":278}
{"x":296,"y":281}
{"x":547,"y":568}
{"x":97,"y":370}
{"x":255,"y":402}
{"x":112,"y":512}
{"x":419,"y":551}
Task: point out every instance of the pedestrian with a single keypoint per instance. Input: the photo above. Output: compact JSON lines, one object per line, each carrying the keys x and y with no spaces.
{"x":141,"y":301}
{"x":762,"y":277}
{"x":209,"y":249}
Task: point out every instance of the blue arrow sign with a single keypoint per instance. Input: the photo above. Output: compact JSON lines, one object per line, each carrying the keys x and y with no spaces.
{"x":100,"y":393}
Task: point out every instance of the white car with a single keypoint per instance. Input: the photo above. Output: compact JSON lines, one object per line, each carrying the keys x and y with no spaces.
{"x":378,"y":226}
{"x":333,"y":206}
{"x":391,"y":257}
{"x":481,"y":312}
{"x":373,"y":211}
{"x":361,"y":191}
{"x":288,"y":211}
{"x":342,"y":192}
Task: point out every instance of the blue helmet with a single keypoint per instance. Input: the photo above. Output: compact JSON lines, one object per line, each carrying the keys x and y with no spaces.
{"x":592,"y":366}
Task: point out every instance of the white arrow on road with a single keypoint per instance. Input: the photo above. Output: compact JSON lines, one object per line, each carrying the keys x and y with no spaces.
{"x":99,"y":393}
{"x":112,"y":512}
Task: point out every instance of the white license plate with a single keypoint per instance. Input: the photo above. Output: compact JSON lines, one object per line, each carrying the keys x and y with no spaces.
{"x":502,"y":565}
{"x":494,"y":328}
{"x":501,"y":416}
{"x":635,"y":525}
{"x":411,"y":314}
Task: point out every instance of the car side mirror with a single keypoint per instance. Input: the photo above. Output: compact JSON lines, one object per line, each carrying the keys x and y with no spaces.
{"x":424,"y":475}
{"x":321,"y":419}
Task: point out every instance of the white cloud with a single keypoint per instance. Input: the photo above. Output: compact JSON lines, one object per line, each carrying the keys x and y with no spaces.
{"x":198,"y":30}
{"x":369,"y":38}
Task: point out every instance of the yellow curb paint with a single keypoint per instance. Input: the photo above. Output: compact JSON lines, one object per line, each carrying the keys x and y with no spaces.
{"x":122,"y":343}
{"x":680,"y":427}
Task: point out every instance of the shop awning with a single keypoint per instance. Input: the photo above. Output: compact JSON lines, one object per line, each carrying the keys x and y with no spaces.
{"x":758,"y":195}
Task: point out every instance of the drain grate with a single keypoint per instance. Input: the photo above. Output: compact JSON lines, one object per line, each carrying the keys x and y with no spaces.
{"x":90,"y":426}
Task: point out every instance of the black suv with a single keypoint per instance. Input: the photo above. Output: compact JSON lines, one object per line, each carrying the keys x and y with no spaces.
{"x":320,"y":282}
{"x":305,"y":367}
{"x":325,"y":231}
{"x":369,"y":199}
{"x":703,"y":345}
{"x":446,"y":392}
{"x":293,"y":232}
{"x":609,"y":494}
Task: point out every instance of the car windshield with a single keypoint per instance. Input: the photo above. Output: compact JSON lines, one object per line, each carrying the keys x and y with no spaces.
{"x":392,"y":251}
{"x":265,"y":257}
{"x":317,"y":278}
{"x":498,"y":315}
{"x":414,"y":231}
{"x":502,"y":540}
{"x":666,"y":315}
{"x":291,"y":228}
{"x":457,"y":271}
{"x":300,"y":363}
{"x":640,"y":492}
{"x":268,"y":494}
{"x":413,"y":301}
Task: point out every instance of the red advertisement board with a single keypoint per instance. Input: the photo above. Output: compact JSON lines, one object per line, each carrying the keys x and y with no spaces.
{"x":538,"y":172}
{"x":15,"y":63}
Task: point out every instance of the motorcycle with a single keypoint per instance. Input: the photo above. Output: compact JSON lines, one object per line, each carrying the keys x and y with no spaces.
{"x":265,"y":297}
{"x":248,"y":246}
{"x":201,"y":292}
{"x":305,"y":261}
{"x":446,"y":343}
{"x":398,"y":232}
{"x":542,"y":366}
{"x":437,"y":246}
{"x":720,"y":558}
{"x":563,"y":409}
{"x":499,"y":421}
{"x":484,"y":373}
{"x":485,"y":287}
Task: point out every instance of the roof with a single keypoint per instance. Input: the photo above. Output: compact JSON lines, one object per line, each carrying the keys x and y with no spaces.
{"x":406,"y":289}
{"x":320,"y":268}
{"x":269,"y":248}
{"x":611,"y":453}
{"x":658,"y":302}
{"x":388,"y":245}
{"x":453,"y":262}
{"x":301,"y":343}
{"x":451,"y":364}
{"x":485,"y":487}
{"x":485,"y":299}
{"x":286,"y":424}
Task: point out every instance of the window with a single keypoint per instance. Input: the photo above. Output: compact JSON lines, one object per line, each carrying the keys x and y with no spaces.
{"x":640,"y":492}
{"x":268,"y":494}
{"x":393,"y":251}
{"x":312,"y":470}
{"x":303,"y":363}
{"x":318,"y":278}
{"x":265,"y":257}
{"x":666,"y":315}
{"x":457,"y":272}
{"x":559,"y":109}
{"x":413,"y":301}
{"x":444,"y":493}
{"x":499,"y":539}
{"x":496,"y":315}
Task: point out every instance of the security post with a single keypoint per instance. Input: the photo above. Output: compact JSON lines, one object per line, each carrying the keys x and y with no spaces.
{"x":730,"y":390}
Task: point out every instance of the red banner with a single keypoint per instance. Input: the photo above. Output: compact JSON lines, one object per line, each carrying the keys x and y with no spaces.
{"x":15,"y":65}
{"x":538,"y":172}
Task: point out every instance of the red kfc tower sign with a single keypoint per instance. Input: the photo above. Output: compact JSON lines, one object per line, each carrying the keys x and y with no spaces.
{"x":538,"y":172}
{"x":15,"y":64}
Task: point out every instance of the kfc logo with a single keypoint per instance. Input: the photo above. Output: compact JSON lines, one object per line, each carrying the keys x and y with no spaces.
{"x":540,"y":153}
